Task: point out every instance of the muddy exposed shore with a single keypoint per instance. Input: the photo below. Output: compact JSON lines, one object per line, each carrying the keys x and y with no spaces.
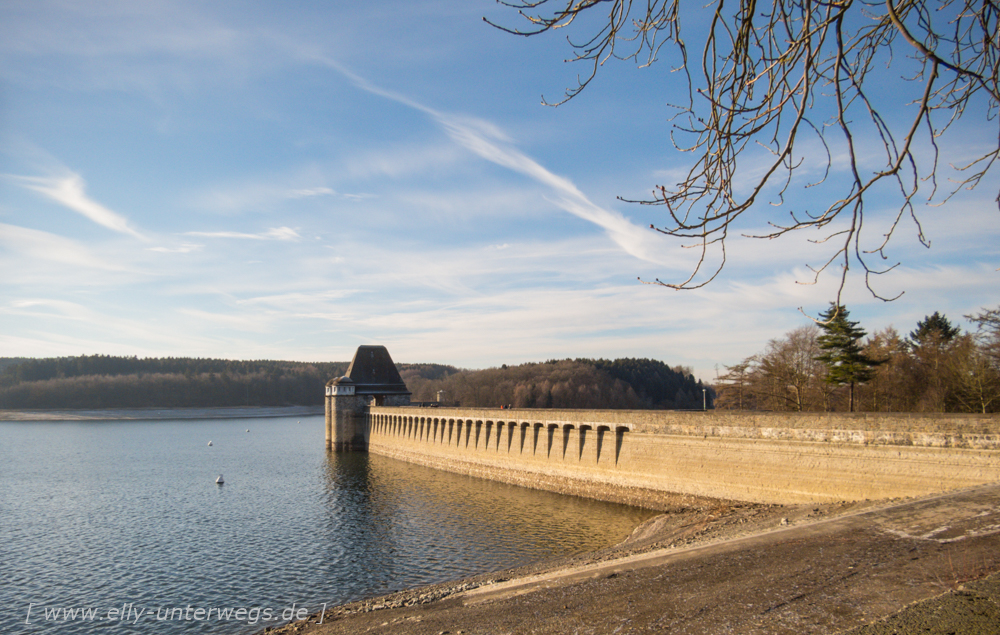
{"x":927,"y":565}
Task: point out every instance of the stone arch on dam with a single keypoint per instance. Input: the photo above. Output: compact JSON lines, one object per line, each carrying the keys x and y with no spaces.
{"x":479,"y":434}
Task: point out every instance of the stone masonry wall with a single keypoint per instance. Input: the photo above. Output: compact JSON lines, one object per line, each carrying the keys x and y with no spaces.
{"x":659,"y":459}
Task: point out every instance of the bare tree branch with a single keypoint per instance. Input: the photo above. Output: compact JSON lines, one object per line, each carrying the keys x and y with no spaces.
{"x":769,"y":73}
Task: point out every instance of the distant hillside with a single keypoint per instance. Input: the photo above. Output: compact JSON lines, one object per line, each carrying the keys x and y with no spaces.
{"x":101,"y":381}
{"x":11,"y":361}
{"x":580,"y":383}
{"x":418,"y":372}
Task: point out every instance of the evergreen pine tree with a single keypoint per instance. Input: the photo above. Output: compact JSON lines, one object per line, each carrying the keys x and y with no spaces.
{"x":846,"y":363}
{"x":934,"y":326}
{"x":932,"y":347}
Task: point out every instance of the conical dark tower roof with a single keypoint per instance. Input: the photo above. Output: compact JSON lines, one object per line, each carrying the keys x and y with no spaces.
{"x":374,"y":373}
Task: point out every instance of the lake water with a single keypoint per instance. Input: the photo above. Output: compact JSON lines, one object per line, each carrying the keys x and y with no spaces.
{"x":121,"y":523}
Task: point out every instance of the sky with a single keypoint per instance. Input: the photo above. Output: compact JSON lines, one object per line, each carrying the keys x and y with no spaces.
{"x":272,"y":180}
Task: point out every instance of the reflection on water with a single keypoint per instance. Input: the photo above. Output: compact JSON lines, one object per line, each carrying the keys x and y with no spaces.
{"x":408,"y":521}
{"x":99,"y":514}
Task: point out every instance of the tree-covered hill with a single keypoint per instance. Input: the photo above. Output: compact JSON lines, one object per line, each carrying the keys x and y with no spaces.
{"x":101,"y":381}
{"x":24,"y":369}
{"x":658,"y":385}
{"x":11,"y":361}
{"x":580,"y":383}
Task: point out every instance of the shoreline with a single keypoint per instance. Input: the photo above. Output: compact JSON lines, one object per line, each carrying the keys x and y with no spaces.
{"x":861,"y":567}
{"x":159,"y":414}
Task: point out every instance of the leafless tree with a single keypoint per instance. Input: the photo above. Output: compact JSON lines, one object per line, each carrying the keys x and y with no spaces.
{"x":733,"y":388}
{"x":987,"y":324}
{"x":785,"y":377}
{"x":975,"y":377}
{"x":892,"y":387}
{"x":784,"y":74}
{"x":791,"y":366}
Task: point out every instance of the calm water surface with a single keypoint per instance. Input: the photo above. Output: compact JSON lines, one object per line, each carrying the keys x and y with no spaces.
{"x":104,"y":515}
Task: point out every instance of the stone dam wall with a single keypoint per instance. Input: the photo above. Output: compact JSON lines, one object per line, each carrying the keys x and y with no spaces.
{"x":661,"y":459}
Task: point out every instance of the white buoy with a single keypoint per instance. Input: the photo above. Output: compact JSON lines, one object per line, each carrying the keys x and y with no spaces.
{"x":220,"y":480}
{"x":210,"y":443}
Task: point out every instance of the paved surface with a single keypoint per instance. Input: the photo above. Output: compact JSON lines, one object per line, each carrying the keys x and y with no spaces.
{"x":820,"y":576}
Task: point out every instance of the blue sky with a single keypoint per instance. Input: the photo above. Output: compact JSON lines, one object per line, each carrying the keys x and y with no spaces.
{"x":287,"y":181}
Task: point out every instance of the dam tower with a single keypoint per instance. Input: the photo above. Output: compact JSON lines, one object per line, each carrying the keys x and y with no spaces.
{"x":371,"y":380}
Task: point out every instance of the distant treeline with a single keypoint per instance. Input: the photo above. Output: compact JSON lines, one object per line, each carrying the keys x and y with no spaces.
{"x":580,"y":383}
{"x":10,"y":361}
{"x":937,"y":367}
{"x":101,"y":381}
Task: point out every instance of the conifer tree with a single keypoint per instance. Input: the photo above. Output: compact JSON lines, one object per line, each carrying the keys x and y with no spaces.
{"x":934,"y":347}
{"x":934,"y":326}
{"x":846,"y":363}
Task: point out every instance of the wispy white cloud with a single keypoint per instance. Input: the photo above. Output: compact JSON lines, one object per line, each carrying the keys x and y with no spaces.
{"x":401,"y":160}
{"x":42,"y":246}
{"x":311,"y":192}
{"x":298,"y":300}
{"x":275,"y":233}
{"x":256,"y":322}
{"x":490,"y":142}
{"x":182,"y":249}
{"x":70,"y":191}
{"x":263,"y":195}
{"x":38,"y":306}
{"x":486,"y":140}
{"x":58,"y":326}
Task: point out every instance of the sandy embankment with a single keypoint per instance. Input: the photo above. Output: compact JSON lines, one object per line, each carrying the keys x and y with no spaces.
{"x":153,"y":414}
{"x":926,"y":565}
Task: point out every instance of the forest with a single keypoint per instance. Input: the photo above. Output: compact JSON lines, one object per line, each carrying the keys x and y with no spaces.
{"x":568,"y":383}
{"x":101,"y":381}
{"x":936,"y":367}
